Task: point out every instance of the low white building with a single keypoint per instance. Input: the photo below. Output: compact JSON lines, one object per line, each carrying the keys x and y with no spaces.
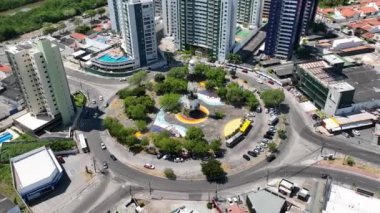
{"x":345,"y":43}
{"x":35,"y":173}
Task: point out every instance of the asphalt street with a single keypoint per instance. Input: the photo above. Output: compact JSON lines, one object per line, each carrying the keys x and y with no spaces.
{"x":92,"y":127}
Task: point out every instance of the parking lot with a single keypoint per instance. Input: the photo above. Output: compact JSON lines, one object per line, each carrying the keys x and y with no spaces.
{"x":73,"y":182}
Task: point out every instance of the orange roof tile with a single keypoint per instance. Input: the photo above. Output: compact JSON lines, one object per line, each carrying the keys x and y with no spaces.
{"x":78,"y":36}
{"x":368,"y":35}
{"x":5,"y":68}
{"x":367,"y":10}
{"x":348,"y":12}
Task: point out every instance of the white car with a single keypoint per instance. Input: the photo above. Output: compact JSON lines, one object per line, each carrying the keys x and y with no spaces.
{"x":103,"y":146}
{"x":93,"y":101}
{"x":123,"y":79}
{"x":260,"y":81}
{"x":264,"y":145}
{"x":100,"y":98}
{"x":355,"y":132}
{"x":177,"y":160}
{"x":149,"y":166}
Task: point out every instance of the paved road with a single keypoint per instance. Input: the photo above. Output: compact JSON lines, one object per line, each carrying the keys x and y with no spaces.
{"x":93,"y":127}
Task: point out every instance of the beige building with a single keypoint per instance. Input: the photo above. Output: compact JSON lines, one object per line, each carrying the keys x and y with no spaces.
{"x":40,"y":71}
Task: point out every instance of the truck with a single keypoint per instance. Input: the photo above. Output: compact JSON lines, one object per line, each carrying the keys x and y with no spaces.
{"x":273,"y":120}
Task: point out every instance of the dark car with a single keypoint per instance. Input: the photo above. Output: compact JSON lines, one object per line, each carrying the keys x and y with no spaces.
{"x":246,"y":157}
{"x":324,"y":176}
{"x":160,"y":155}
{"x":252,"y":153}
{"x":271,"y":157}
{"x":268,"y":136}
{"x":60,"y":159}
{"x":113,"y":157}
{"x":269,"y":132}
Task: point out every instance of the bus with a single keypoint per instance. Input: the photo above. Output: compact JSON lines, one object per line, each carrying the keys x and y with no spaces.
{"x":232,"y":141}
{"x":83,"y":143}
{"x":245,"y":127}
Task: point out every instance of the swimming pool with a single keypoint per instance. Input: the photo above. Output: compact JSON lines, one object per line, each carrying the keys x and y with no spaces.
{"x":5,"y":137}
{"x":110,"y":59}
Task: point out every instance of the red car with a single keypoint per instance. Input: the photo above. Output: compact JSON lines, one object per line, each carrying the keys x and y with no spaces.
{"x":245,"y":71}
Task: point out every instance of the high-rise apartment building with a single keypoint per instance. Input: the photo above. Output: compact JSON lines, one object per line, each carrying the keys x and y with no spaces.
{"x":266,"y":8}
{"x":137,"y":28}
{"x":41,"y":74}
{"x":249,"y":12}
{"x":288,"y":20}
{"x":169,"y":17}
{"x":114,"y":15}
{"x":208,"y":25}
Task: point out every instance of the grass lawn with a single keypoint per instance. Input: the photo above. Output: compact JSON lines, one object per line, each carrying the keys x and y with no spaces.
{"x":79,"y":99}
{"x":6,"y":187}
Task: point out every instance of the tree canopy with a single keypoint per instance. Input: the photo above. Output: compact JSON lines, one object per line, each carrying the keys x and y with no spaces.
{"x":170,"y":102}
{"x":234,"y":58}
{"x":272,"y":97}
{"x":213,"y":170}
{"x":178,"y":72}
{"x":138,"y":78}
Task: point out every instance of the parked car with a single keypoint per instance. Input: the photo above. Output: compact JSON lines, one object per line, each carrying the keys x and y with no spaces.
{"x":324,"y":176}
{"x":270,"y":82}
{"x":245,"y":70}
{"x":105,"y":165}
{"x":246,"y":157}
{"x":264,"y":145}
{"x":123,"y":79}
{"x":113,"y":157}
{"x":60,"y":159}
{"x":269,"y":133}
{"x":268,"y":136}
{"x":264,"y":140}
{"x":355,"y":132}
{"x":257,"y":151}
{"x":345,"y":134}
{"x":103,"y":145}
{"x":271,"y":157}
{"x":93,"y":101}
{"x":166,"y":157}
{"x":252,"y":153}
{"x":260,"y":81}
{"x":258,"y":109}
{"x":178,"y":160}
{"x":149,"y":166}
{"x":160,"y":155}
{"x":100,"y":98}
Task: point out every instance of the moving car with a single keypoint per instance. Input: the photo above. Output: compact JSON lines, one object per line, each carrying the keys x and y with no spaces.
{"x":113,"y":157}
{"x":177,"y":160}
{"x":93,"y":101}
{"x":105,"y":165}
{"x":246,"y":157}
{"x":100,"y":98}
{"x":149,"y":166}
{"x":103,"y":146}
{"x":271,"y":157}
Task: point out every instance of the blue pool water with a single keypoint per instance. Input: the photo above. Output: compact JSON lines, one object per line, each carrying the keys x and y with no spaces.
{"x":6,"y":136}
{"x":110,"y":59}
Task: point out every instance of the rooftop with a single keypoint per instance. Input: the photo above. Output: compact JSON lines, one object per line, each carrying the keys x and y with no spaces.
{"x":333,"y":59}
{"x":348,"y":12}
{"x":33,"y":123}
{"x":264,"y":201}
{"x":34,"y":167}
{"x":366,"y":82}
{"x":318,"y":70}
{"x":342,"y":86}
{"x":345,"y":200}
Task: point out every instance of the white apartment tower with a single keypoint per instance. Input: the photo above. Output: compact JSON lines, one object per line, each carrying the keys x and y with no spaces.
{"x":207,"y":25}
{"x":249,"y":13}
{"x":41,"y":74}
{"x":169,"y":17}
{"x":137,"y":28}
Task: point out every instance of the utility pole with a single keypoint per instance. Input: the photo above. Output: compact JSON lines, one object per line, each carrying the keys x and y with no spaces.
{"x":267,"y":175}
{"x":94,"y":162}
{"x":130,"y":190}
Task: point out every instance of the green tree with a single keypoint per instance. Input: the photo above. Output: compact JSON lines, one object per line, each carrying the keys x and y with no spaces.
{"x":169,"y":173}
{"x":213,"y":170}
{"x":282,"y":134}
{"x":49,"y":30}
{"x":194,"y":134}
{"x":138,"y":78}
{"x":84,"y":29}
{"x":272,"y":97}
{"x":178,"y":72}
{"x":137,"y":112}
{"x":159,"y":78}
{"x":219,"y":115}
{"x":144,"y":141}
{"x":350,"y":161}
{"x":69,"y":12}
{"x":61,"y":25}
{"x":7,"y":32}
{"x":171,"y":85}
{"x":170,"y":145}
{"x":91,"y":14}
{"x":250,"y":100}
{"x":234,"y":58}
{"x":272,"y":147}
{"x":77,"y":21}
{"x":235,"y":96}
{"x":141,"y":125}
{"x":101,"y":11}
{"x":215,"y":145}
{"x":233,"y":73}
{"x":170,"y":102}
